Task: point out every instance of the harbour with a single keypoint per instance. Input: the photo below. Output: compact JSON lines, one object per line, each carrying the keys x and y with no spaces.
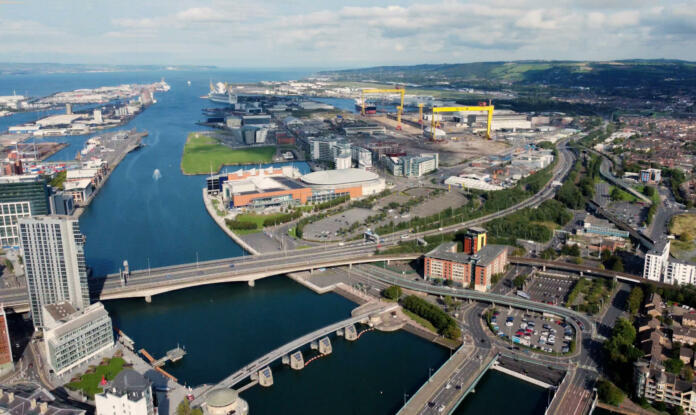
{"x":146,"y":230}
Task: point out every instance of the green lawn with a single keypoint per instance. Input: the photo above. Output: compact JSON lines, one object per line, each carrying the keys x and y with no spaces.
{"x":621,"y":195}
{"x":420,"y":320}
{"x":257,"y":219}
{"x":89,"y":382}
{"x":203,"y":153}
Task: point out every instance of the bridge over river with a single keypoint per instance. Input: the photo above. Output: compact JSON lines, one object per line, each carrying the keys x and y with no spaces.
{"x":361,"y":314}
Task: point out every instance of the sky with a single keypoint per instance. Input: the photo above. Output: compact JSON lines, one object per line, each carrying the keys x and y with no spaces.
{"x":330,"y":34}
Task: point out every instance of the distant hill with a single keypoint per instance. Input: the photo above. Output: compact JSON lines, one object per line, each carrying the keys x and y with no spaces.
{"x":608,"y":75}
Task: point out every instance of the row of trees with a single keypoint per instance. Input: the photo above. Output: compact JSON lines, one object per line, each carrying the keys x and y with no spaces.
{"x":521,"y":224}
{"x":240,"y":225}
{"x":444,"y":324}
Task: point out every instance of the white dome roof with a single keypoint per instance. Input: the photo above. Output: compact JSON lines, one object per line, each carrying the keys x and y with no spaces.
{"x":338,"y":177}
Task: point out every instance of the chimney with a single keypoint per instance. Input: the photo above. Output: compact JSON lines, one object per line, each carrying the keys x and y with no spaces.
{"x":43,"y":407}
{"x":32,"y":404}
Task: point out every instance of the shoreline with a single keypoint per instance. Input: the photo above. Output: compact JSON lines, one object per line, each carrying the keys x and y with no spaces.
{"x":221,"y":223}
{"x":346,"y":292}
{"x":132,"y":147}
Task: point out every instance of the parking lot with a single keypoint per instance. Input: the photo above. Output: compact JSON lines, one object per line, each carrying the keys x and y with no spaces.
{"x":548,"y":289}
{"x":533,"y":330}
{"x":325,"y":229}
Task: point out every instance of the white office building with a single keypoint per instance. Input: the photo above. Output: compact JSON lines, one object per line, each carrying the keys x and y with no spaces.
{"x":54,"y":262}
{"x":656,"y":260}
{"x":680,"y":272}
{"x":362,"y":156}
{"x":73,"y":337}
{"x":130,"y":393}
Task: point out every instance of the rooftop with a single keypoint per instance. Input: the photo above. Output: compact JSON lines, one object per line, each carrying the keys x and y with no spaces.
{"x":19,"y":399}
{"x":60,"y":311}
{"x":220,"y":398}
{"x":483,"y":257}
{"x":337,"y":177}
{"x":129,"y":382}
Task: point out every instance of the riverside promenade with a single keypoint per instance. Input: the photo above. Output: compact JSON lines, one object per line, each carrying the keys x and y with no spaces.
{"x":220,"y":220}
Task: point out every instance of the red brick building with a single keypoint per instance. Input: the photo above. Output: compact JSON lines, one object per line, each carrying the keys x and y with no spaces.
{"x":464,"y":268}
{"x":5,"y":345}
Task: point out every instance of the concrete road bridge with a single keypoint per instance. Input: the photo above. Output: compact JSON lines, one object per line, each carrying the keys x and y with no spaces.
{"x":361,"y":314}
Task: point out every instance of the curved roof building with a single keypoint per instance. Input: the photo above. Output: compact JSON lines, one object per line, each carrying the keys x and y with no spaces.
{"x":339,"y":178}
{"x":225,"y":401}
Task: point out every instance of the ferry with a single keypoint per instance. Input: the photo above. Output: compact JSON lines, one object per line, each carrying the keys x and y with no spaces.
{"x":220,"y":93}
{"x":370,"y":109}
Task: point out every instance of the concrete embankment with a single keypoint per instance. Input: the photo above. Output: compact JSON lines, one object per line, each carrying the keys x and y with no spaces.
{"x":535,"y":373}
{"x":137,"y":139}
{"x":348,"y":292}
{"x":221,"y":223}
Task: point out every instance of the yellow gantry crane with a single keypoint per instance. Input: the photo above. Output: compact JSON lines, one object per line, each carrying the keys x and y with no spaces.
{"x":487,"y":108}
{"x":397,"y":90}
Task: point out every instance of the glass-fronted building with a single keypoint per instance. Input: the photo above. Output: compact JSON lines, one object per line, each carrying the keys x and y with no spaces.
{"x":20,"y":196}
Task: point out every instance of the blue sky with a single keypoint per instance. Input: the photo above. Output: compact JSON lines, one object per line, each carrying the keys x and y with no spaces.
{"x":336,"y":34}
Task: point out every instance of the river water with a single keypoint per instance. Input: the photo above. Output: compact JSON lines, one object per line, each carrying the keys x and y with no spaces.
{"x":161,"y":221}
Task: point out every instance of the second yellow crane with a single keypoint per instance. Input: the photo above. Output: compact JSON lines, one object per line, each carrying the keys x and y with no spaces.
{"x":487,"y":108}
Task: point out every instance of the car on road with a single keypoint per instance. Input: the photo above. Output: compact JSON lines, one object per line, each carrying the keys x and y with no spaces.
{"x":441,"y":408}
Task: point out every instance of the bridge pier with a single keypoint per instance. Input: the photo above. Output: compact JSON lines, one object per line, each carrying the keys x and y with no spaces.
{"x":543,"y":267}
{"x":581,"y":273}
{"x":339,"y":332}
{"x":297,"y":360}
{"x":351,"y":333}
{"x":325,"y":346}
{"x":148,"y":298}
{"x":252,"y":283}
{"x":266,"y":377}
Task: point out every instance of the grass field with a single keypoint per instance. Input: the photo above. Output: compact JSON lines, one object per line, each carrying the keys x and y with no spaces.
{"x":203,"y":153}
{"x":684,"y":228}
{"x":420,"y":320}
{"x":257,"y":219}
{"x":685,"y":223}
{"x":89,"y":382}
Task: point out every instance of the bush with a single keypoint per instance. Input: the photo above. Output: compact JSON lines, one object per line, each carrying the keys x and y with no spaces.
{"x":635,"y":299}
{"x":239,"y":225}
{"x":609,"y":393}
{"x":392,"y":293}
{"x":444,"y":324}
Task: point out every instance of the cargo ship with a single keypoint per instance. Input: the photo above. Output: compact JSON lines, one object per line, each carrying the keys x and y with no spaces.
{"x":370,"y":109}
{"x":220,"y":93}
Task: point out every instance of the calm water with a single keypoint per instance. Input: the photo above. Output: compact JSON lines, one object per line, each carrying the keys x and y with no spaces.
{"x":227,"y":326}
{"x":223,"y":327}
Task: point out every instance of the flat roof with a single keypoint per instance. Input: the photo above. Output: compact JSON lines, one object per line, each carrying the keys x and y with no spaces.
{"x":337,"y":177}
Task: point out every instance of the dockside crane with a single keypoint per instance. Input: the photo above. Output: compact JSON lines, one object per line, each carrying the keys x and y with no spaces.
{"x":488,"y":108}
{"x":397,"y":90}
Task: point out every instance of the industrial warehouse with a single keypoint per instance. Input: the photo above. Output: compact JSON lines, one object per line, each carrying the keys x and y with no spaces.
{"x":284,"y":186}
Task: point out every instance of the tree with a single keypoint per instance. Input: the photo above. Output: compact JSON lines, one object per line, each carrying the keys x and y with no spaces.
{"x":392,"y":293}
{"x":519,"y":281}
{"x":674,"y":365}
{"x":609,"y":393}
{"x":635,"y":299}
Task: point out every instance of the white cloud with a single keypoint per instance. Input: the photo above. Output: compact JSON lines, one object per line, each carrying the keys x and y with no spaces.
{"x":329,"y":34}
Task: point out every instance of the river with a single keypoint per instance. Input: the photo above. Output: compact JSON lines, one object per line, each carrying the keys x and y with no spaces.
{"x":156,"y":222}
